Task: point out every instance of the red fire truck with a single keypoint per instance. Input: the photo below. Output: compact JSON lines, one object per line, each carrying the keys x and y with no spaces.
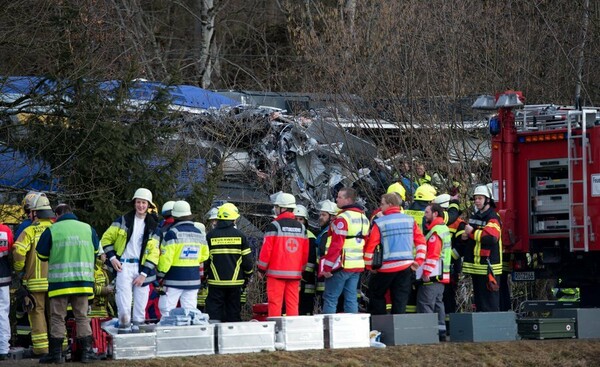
{"x":546,"y":180}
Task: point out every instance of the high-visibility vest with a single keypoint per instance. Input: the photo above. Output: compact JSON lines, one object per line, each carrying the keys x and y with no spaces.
{"x":446,"y":253}
{"x":358,"y":229}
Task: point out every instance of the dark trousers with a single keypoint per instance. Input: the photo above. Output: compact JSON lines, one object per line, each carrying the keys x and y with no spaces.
{"x":399,"y":284}
{"x":223,"y":303}
{"x":485,"y":300}
{"x":505,"y":304}
{"x":306,"y":306}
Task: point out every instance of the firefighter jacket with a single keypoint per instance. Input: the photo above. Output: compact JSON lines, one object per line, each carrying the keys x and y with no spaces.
{"x":70,"y":247}
{"x":484,"y":243}
{"x":417,"y":211}
{"x":284,"y":250}
{"x":436,"y":264}
{"x":26,"y":260}
{"x":6,"y":242}
{"x":99,"y":307}
{"x":230,"y":261}
{"x":457,"y":228}
{"x":309,"y":275}
{"x":322,"y":244}
{"x":348,"y":231}
{"x":398,"y":234}
{"x":181,"y":253}
{"x":116,"y":237}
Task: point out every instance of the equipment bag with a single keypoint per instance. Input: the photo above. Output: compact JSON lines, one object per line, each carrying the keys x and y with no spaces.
{"x":377,"y":258}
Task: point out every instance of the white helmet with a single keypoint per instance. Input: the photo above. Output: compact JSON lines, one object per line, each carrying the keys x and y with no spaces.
{"x":40,"y":202}
{"x":167,"y":207}
{"x":212,"y":213}
{"x":443,"y":200}
{"x":483,"y":190}
{"x":301,"y":211}
{"x":143,"y":194}
{"x":181,"y":208}
{"x":283,"y":200}
{"x":328,"y":206}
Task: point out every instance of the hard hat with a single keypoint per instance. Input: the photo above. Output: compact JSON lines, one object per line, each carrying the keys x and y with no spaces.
{"x":212,"y":213}
{"x":443,"y":200}
{"x":167,"y":207}
{"x":40,"y":202}
{"x":301,"y":211}
{"x":328,"y":206}
{"x":143,"y":194}
{"x":181,"y":208}
{"x":483,"y":191}
{"x":284,"y":200}
{"x":425,"y":192}
{"x":490,"y":188}
{"x":397,"y":188}
{"x":228,"y":211}
{"x":29,"y":199}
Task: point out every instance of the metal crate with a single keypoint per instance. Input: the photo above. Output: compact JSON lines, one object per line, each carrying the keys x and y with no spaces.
{"x":347,"y":330}
{"x":131,"y":346}
{"x":587,"y":321}
{"x":483,"y":326}
{"x":546,"y":328}
{"x":185,"y":340}
{"x":299,"y":332}
{"x":405,"y":329}
{"x":245,"y":337}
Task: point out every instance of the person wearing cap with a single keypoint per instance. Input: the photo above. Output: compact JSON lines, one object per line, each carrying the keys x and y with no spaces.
{"x":132,"y":249}
{"x":343,"y":262}
{"x":6,"y":242}
{"x":398,"y":235}
{"x":483,"y":248}
{"x":70,"y":247}
{"x":182,"y":250}
{"x":35,"y":272}
{"x":229,"y":266}
{"x":283,"y":255}
{"x":308,"y":282}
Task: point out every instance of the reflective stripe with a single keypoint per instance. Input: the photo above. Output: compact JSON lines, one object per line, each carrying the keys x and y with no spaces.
{"x":285,"y":273}
{"x":5,"y":280}
{"x":174,"y":283}
{"x":72,"y":274}
{"x":3,"y":253}
{"x":70,"y":265}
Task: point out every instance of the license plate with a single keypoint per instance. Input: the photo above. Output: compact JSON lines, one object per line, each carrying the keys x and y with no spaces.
{"x":522,"y":276}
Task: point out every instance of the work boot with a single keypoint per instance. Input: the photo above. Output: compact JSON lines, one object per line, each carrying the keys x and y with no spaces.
{"x":87,"y":353}
{"x":54,"y":352}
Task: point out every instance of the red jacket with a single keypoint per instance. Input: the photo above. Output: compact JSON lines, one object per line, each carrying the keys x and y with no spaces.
{"x":285,"y":248}
{"x":6,"y":242}
{"x":375,"y":239}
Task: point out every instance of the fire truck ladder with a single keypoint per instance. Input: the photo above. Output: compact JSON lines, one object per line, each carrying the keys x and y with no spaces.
{"x":579,"y":163}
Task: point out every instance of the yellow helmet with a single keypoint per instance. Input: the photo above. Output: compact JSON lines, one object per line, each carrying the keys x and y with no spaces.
{"x":425,"y":192}
{"x":228,"y":211}
{"x":397,"y":188}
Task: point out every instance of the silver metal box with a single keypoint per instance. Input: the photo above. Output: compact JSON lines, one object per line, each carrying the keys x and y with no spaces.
{"x":185,"y":340}
{"x":483,"y":326}
{"x":412,"y":328}
{"x":347,"y":330}
{"x":552,"y":203}
{"x":587,"y":324}
{"x":299,"y":332}
{"x":245,"y":337}
{"x":131,"y":346}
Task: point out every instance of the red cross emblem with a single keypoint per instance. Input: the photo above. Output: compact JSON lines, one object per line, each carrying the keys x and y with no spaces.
{"x":291,"y":245}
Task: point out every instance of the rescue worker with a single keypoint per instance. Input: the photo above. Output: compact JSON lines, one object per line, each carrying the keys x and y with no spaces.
{"x":35,"y":272}
{"x":229,"y":266}
{"x":283,"y":255}
{"x":483,"y":248}
{"x":456,"y":228}
{"x":397,"y":234}
{"x":70,"y":247}
{"x":182,"y":250}
{"x":327,"y":211}
{"x":6,"y":242}
{"x":100,"y":306}
{"x":166,"y":213}
{"x":309,"y":274}
{"x":343,"y":262}
{"x":422,"y":176}
{"x":27,"y":202}
{"x":133,"y":251}
{"x":434,"y":266}
{"x":212,"y":218}
{"x":423,"y":196}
